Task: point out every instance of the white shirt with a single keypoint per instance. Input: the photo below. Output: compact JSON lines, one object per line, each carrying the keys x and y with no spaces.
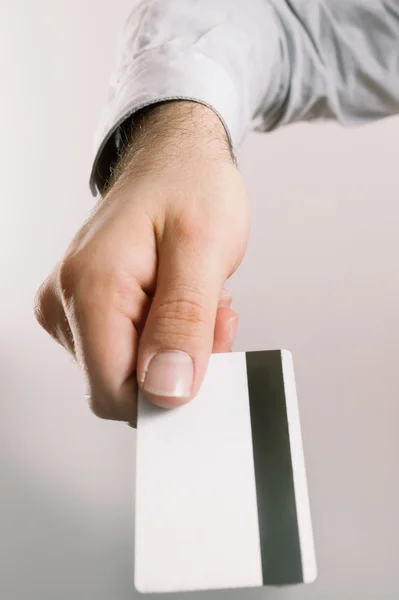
{"x":256,"y":63}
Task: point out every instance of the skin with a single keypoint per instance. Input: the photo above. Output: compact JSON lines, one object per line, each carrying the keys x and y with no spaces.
{"x":146,"y":272}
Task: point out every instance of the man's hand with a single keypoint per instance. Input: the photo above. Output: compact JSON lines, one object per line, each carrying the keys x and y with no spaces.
{"x":140,"y":291}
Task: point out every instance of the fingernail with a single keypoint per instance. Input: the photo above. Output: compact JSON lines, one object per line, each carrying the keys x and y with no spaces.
{"x":233,"y":324}
{"x":170,"y":373}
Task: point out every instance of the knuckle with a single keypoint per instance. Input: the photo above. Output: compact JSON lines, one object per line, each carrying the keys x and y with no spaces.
{"x":80,"y":284}
{"x":38,"y":308}
{"x":50,"y":317}
{"x":85,"y":287}
{"x":41,"y":307}
{"x":69,"y":275}
{"x":182,"y":310}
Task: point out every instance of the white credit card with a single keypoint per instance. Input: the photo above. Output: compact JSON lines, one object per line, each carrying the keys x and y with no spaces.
{"x":221,"y":491}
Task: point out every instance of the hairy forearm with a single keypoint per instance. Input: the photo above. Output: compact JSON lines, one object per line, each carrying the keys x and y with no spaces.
{"x":167,"y":134}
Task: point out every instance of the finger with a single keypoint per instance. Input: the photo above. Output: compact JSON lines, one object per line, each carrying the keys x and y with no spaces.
{"x":105,"y":339}
{"x":226,"y":298}
{"x":225,"y":330}
{"x":178,"y":335}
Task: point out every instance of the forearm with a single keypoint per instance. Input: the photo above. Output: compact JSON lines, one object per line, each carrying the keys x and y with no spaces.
{"x":165,"y":135}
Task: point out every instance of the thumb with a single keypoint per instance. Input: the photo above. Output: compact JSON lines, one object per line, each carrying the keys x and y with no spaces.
{"x":178,"y":335}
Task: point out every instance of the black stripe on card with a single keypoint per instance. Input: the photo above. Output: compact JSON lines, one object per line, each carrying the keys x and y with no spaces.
{"x":277,"y":514}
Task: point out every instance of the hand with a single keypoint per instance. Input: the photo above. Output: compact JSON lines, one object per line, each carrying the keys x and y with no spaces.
{"x":140,"y":291}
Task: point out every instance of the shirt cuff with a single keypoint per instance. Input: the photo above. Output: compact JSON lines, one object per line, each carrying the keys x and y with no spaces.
{"x":165,"y":74}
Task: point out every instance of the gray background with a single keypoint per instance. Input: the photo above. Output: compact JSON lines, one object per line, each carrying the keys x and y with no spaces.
{"x":320,"y":278}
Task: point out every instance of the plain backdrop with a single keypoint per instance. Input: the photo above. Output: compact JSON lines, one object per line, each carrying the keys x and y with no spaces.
{"x":321,"y":277}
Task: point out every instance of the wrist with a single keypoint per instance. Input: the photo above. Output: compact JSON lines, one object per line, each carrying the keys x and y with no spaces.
{"x":171,"y":134}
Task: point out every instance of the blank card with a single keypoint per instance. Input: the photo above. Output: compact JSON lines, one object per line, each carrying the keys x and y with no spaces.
{"x":221,"y":491}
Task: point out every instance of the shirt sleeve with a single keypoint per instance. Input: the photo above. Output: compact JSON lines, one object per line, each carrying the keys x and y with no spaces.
{"x":256,"y":63}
